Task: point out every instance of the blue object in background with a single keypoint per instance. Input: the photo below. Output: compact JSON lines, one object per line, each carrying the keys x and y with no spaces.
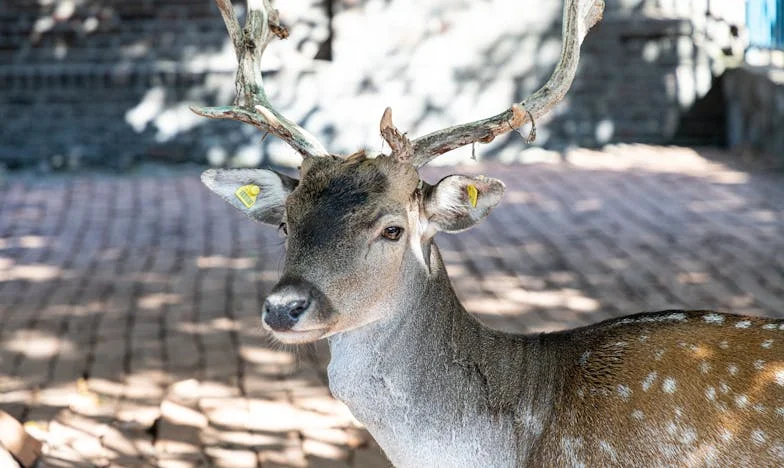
{"x":765,"y":22}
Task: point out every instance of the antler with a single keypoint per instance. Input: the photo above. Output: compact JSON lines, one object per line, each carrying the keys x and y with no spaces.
{"x":261,"y":25}
{"x":578,"y":17}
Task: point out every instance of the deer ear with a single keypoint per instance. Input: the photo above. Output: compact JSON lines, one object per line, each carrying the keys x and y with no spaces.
{"x":458,"y":202}
{"x":259,"y":193}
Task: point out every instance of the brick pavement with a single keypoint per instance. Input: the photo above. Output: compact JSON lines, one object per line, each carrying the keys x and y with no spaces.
{"x":129,"y":327}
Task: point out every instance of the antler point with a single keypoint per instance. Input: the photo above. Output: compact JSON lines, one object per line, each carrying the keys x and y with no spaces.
{"x":386,"y":119}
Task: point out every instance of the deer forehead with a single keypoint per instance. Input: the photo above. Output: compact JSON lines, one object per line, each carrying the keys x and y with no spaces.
{"x":355,"y":189}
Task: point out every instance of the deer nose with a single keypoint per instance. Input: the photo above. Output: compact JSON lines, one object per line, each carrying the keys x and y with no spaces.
{"x":282,"y":309}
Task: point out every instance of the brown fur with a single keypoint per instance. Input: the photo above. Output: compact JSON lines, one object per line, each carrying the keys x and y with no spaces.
{"x":668,"y":391}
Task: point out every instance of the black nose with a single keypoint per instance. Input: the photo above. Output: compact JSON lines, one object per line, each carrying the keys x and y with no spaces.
{"x":283,"y":308}
{"x":293,"y":308}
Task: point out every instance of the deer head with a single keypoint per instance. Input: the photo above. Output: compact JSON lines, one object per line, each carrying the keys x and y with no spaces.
{"x":354,"y":227}
{"x":357,"y":227}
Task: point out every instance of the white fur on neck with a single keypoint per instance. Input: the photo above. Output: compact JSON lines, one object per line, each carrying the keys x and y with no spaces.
{"x":447,"y":430}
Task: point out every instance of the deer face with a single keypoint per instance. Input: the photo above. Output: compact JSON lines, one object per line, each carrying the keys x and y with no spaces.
{"x":354,"y":228}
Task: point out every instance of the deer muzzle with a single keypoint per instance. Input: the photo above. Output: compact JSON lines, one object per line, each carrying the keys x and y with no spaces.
{"x":292,"y":311}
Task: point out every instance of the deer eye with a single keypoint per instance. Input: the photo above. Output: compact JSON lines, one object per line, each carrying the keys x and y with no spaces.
{"x":392,"y":233}
{"x":283,"y":229}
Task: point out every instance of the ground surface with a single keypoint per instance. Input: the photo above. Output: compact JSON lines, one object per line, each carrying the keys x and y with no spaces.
{"x":129,"y":306}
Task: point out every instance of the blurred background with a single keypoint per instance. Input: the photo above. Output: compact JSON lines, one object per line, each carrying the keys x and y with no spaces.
{"x":108,"y":82}
{"x":130,"y":295}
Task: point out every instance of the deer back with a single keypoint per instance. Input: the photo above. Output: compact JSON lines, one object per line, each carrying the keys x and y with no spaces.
{"x":675,"y":387}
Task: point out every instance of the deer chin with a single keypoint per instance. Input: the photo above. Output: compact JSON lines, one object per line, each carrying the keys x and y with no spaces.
{"x":299,"y":336}
{"x":313,"y":333}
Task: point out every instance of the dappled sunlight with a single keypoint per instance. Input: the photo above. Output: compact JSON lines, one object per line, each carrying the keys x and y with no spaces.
{"x":765,"y":216}
{"x":65,"y":311}
{"x":218,"y":324}
{"x":225,"y":262}
{"x":148,"y":108}
{"x":24,"y":242}
{"x":156,"y":301}
{"x":269,"y":275}
{"x":265,"y":356}
{"x":493,"y":306}
{"x":143,"y":388}
{"x":106,"y":387}
{"x":144,"y":418}
{"x":130,"y":343}
{"x":588,"y":205}
{"x":190,"y":328}
{"x":190,"y":389}
{"x":707,"y":206}
{"x":150,"y":62}
{"x":678,"y":160}
{"x":496,"y":283}
{"x":169,"y":119}
{"x":223,"y":324}
{"x":266,"y":416}
{"x":518,"y":196}
{"x":8,"y":384}
{"x":693,"y":277}
{"x":19,"y":396}
{"x":66,"y":395}
{"x":34,"y":273}
{"x":566,"y":298}
{"x":522,"y":311}
{"x":36,"y":344}
{"x":516,"y":301}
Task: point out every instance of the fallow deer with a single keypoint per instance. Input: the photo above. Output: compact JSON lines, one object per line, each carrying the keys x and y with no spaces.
{"x":434,"y":386}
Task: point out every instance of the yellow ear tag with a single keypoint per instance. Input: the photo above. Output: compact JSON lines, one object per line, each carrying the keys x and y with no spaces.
{"x":247,"y":194}
{"x":473,"y":194}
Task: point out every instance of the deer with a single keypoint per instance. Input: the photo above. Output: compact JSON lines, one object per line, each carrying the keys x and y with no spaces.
{"x":434,"y":386}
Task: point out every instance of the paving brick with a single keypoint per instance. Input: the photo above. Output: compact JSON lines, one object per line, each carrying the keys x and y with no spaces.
{"x":179,"y":428}
{"x":230,"y":458}
{"x":370,"y":457}
{"x":130,"y":331}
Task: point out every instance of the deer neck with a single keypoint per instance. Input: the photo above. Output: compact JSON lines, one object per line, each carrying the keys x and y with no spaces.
{"x":431,"y":376}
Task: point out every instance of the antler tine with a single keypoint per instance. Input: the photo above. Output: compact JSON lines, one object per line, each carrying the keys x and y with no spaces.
{"x":261,"y":26}
{"x":578,"y":17}
{"x":398,"y":142}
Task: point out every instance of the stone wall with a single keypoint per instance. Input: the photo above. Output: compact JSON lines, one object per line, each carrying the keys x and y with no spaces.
{"x":108,"y":82}
{"x":755,"y":111}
